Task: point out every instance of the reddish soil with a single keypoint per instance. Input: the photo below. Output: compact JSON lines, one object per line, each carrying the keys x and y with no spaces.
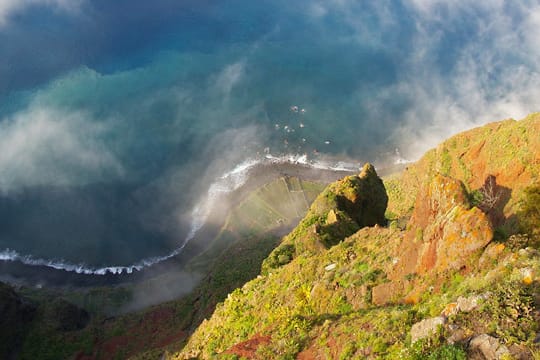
{"x":248,"y":349}
{"x":314,"y":352}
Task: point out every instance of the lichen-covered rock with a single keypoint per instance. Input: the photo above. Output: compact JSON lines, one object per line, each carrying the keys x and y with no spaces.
{"x":451,"y":230}
{"x":444,"y":231}
{"x":426,"y":328}
{"x":485,"y":347}
{"x":361,"y":197}
{"x":468,"y":304}
{"x":491,"y":253}
{"x":508,"y":150}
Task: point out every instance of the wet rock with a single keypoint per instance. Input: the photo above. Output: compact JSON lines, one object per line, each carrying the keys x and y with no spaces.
{"x":485,"y":347}
{"x":426,"y":328}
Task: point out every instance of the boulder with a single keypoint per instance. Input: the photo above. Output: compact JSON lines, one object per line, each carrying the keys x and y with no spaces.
{"x":458,"y":335}
{"x":485,"y":347}
{"x":468,"y":304}
{"x":426,"y":328}
{"x":491,"y":254}
{"x":444,"y":231}
{"x":453,"y":231}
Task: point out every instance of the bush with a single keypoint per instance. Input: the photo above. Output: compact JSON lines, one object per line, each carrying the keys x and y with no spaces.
{"x":530,"y":210}
{"x":282,"y":255}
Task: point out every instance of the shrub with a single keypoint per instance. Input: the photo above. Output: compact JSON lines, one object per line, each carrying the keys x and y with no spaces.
{"x":530,"y":210}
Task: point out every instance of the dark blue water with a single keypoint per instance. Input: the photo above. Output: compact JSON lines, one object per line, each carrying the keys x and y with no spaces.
{"x":116,"y":117}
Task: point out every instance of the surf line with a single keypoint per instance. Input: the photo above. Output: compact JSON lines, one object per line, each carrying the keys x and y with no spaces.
{"x":226,"y":183}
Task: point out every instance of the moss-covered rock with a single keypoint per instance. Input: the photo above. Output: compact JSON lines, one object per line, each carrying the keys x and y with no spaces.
{"x":339,"y":211}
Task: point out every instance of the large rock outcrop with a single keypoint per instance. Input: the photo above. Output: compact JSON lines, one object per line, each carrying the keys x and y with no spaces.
{"x":450,"y":230}
{"x":322,"y":304}
{"x":443,"y":233}
{"x":339,"y":211}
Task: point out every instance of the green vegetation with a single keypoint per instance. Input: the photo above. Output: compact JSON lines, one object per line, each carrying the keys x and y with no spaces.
{"x":530,"y":210}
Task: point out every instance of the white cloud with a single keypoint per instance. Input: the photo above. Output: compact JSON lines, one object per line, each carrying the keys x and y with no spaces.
{"x":48,"y":147}
{"x":493,"y":75}
{"x":10,"y":7}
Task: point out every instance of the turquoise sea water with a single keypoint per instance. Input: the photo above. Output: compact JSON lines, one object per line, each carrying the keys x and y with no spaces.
{"x":118,"y":118}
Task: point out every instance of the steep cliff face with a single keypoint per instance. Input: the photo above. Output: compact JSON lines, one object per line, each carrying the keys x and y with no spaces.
{"x":439,"y":286}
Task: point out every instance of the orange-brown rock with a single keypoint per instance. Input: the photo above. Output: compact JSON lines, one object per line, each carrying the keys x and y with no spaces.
{"x":443,"y":231}
{"x":453,"y":231}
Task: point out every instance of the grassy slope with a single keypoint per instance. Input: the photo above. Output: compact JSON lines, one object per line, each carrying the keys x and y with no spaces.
{"x":305,"y":310}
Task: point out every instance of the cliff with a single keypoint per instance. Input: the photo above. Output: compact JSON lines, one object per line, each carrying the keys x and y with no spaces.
{"x":454,"y":274}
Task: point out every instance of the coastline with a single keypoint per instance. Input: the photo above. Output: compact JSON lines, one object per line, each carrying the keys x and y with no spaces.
{"x":16,"y":272}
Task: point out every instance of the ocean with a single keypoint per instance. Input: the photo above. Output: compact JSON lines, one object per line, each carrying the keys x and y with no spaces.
{"x":122,"y":122}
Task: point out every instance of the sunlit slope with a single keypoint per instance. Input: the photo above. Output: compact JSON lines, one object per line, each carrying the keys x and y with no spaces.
{"x":450,"y":283}
{"x":508,"y":150}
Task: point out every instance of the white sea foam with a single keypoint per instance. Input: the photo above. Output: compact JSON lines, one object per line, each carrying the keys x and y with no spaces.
{"x":302,"y":159}
{"x":12,"y":255}
{"x":223,"y":185}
